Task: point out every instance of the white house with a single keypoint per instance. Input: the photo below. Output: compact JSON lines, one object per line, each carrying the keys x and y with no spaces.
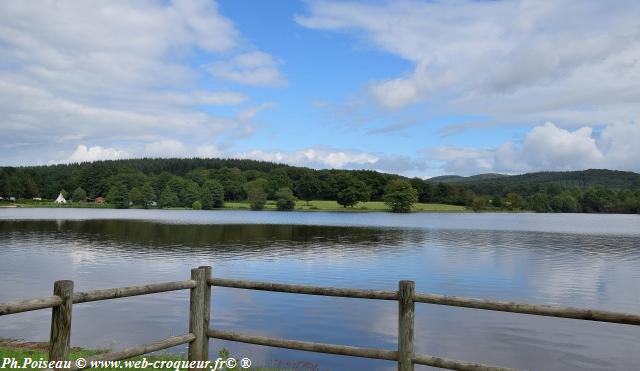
{"x":60,"y":199}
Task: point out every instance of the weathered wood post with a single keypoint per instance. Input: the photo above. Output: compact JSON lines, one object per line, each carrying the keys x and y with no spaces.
{"x":207,"y":310}
{"x":196,"y":315}
{"x":406,"y":291}
{"x":60,"y":335}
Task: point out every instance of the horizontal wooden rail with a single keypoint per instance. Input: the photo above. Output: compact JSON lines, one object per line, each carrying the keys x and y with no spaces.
{"x":344,"y":350}
{"x":307,"y":290}
{"x":123,"y":292}
{"x":29,"y":305}
{"x":453,"y":301}
{"x":135,"y":351}
{"x":451,"y":364}
{"x":94,"y":295}
{"x":534,"y":309}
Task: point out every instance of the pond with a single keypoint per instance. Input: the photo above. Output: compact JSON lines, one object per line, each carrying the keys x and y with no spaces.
{"x":559,"y":259}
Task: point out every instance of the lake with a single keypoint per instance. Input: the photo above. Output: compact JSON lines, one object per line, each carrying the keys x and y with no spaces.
{"x":582,"y":260}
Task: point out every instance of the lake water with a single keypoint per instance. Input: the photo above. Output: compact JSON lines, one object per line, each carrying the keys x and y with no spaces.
{"x":559,"y":259}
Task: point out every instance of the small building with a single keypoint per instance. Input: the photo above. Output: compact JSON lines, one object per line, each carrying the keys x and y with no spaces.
{"x":37,"y":199}
{"x":99,"y":200}
{"x":12,"y":198}
{"x":61,"y":199}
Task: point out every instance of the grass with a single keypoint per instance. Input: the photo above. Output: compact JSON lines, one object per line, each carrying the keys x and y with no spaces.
{"x":323,"y":205}
{"x":316,"y":205}
{"x":20,"y":351}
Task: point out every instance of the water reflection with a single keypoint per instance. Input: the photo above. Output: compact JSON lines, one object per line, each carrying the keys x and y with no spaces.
{"x":579,"y":269}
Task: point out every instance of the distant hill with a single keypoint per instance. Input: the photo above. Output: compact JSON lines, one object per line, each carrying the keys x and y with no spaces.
{"x":530,"y":183}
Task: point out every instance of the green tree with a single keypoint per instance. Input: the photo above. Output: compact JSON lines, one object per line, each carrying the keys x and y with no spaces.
{"x":118,"y":196}
{"x":284,"y":199}
{"x":540,"y":203}
{"x":400,"y":196}
{"x":497,"y":202}
{"x":351,"y":191}
{"x":136,"y":196}
{"x":276,"y":180}
{"x":479,"y":204}
{"x":168,"y":198}
{"x":148,"y":195}
{"x":256,"y":193}
{"x":79,"y":195}
{"x":190,"y":193}
{"x":196,"y":205}
{"x":308,"y":187}
{"x":212,"y":194}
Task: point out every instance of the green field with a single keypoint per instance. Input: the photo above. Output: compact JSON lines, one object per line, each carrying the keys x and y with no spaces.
{"x":362,"y":206}
{"x":271,"y":205}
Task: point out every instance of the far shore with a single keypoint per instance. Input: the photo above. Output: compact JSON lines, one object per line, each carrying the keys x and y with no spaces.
{"x":316,"y":205}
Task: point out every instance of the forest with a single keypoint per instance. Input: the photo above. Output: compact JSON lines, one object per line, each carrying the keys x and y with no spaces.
{"x":209,"y":183}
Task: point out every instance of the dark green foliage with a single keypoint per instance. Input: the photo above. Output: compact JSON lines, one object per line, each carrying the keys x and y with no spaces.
{"x":78,"y":195}
{"x":148,"y":195}
{"x":400,"y":196}
{"x":540,"y":203}
{"x":168,"y":198}
{"x":211,"y":194}
{"x":190,"y":193}
{"x":480,"y":204}
{"x":136,"y":197}
{"x":256,"y":194}
{"x":285,"y":200}
{"x":118,"y":196}
{"x":276,"y":180}
{"x":581,"y":191}
{"x":308,"y":187}
{"x":351,"y":191}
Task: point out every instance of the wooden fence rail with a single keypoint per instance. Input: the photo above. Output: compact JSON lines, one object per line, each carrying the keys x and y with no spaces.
{"x":200,"y":284}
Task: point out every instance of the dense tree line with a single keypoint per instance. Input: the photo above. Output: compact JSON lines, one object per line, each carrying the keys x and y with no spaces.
{"x":208,"y":183}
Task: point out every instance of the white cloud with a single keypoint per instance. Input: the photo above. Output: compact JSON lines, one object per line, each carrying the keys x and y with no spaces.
{"x":548,"y":147}
{"x":74,"y":73}
{"x":175,"y":148}
{"x":332,"y":158}
{"x":84,"y":154}
{"x":253,"y":68}
{"x":514,"y":61}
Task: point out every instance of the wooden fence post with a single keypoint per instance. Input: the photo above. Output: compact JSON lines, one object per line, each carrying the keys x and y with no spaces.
{"x":60,"y":335}
{"x":196,"y":315}
{"x":406,"y":291}
{"x":207,"y":310}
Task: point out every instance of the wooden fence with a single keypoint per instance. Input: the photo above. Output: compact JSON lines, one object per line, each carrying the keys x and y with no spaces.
{"x":200,"y":331}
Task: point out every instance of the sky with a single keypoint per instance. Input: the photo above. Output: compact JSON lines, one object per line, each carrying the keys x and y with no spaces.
{"x":418,"y":88}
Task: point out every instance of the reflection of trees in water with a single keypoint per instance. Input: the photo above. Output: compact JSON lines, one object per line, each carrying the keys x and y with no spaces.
{"x":129,"y":234}
{"x":138,"y":234}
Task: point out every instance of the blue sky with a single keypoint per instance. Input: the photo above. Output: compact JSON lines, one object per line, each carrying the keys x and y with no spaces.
{"x":421,"y":88}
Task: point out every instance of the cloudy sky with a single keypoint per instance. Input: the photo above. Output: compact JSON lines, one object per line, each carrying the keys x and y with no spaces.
{"x":421,"y":88}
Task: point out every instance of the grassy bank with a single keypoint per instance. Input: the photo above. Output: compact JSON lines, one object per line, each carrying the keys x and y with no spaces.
{"x":323,"y":205}
{"x":21,"y":351}
{"x":318,"y":205}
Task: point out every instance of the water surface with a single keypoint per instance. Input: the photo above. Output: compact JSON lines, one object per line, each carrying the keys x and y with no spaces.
{"x":560,"y":259}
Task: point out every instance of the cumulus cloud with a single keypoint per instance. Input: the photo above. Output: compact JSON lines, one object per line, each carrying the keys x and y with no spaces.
{"x":84,"y":154}
{"x":74,"y":73}
{"x":548,"y":147}
{"x":253,"y":68}
{"x":175,"y":148}
{"x":514,"y":61}
{"x":332,"y":158}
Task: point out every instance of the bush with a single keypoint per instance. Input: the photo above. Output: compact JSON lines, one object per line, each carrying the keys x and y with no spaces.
{"x":196,"y":205}
{"x":285,"y":200}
